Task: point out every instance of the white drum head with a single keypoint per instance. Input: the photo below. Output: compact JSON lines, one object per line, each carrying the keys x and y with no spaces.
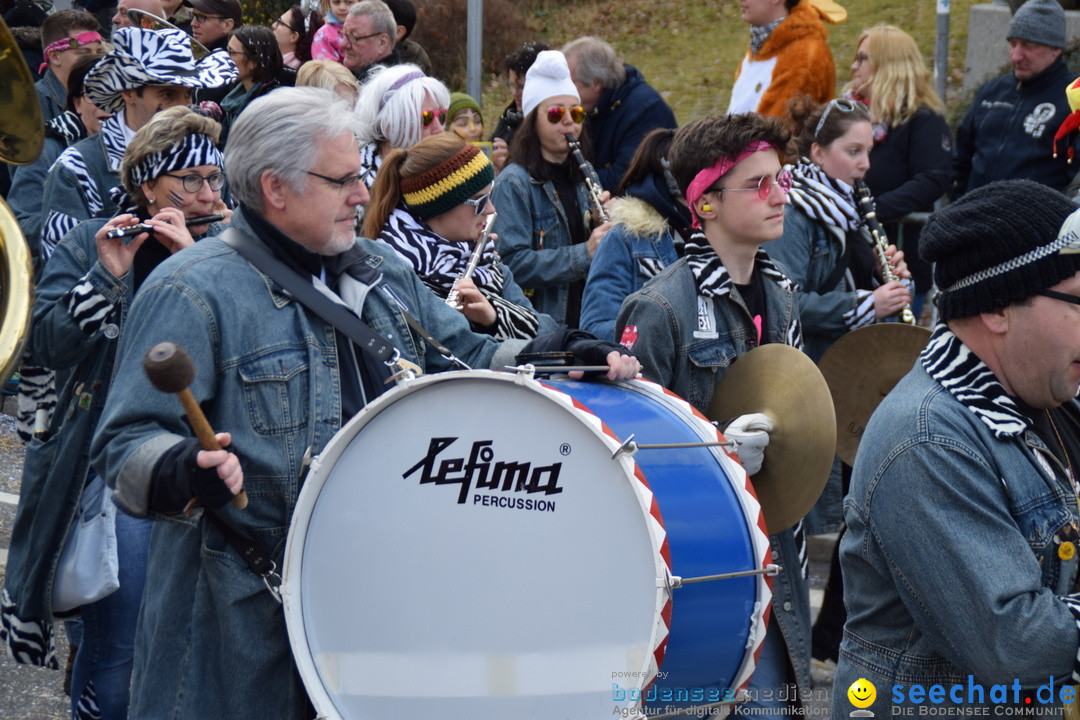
{"x":524,"y":600}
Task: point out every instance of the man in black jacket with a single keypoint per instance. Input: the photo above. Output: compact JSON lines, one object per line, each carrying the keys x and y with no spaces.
{"x":1008,"y":132}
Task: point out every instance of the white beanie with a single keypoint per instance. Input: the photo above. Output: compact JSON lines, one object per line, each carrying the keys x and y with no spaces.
{"x":548,"y":77}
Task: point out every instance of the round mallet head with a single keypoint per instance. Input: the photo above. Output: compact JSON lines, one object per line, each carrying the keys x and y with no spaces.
{"x":169,"y":367}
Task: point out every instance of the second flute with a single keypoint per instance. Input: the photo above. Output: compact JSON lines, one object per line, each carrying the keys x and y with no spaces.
{"x":133,"y":230}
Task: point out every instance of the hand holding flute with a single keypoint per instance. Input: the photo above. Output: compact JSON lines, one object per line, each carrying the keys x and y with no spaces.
{"x":121,"y":237}
{"x":465,"y":296}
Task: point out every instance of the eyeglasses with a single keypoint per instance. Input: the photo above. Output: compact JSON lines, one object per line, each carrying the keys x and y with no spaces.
{"x":860,"y":58}
{"x":428,"y":116}
{"x":348,"y":184}
{"x":353,"y":39}
{"x":764,"y":185}
{"x":193,"y":183}
{"x":1064,"y":297}
{"x":843,"y":105}
{"x":200,"y":18}
{"x":478,"y":204}
{"x":555,"y":114}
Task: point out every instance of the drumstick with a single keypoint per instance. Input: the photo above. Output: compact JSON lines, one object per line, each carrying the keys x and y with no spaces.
{"x":170,"y":369}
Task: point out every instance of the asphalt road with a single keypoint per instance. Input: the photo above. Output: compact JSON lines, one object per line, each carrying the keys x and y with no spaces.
{"x":30,"y":693}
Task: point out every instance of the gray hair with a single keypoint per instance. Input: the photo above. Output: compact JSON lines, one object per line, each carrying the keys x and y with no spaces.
{"x":281,"y":132}
{"x":382,"y":18}
{"x":389,"y":104}
{"x":595,"y":61}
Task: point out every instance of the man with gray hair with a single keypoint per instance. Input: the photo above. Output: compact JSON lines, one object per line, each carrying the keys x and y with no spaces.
{"x":280,"y":381}
{"x":368,"y":38}
{"x":622,"y":107}
{"x":1008,"y":132}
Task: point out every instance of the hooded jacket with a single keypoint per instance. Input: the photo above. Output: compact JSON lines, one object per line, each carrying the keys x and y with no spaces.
{"x":794,"y":60}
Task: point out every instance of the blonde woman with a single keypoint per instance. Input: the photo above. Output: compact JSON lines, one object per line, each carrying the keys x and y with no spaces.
{"x":329,"y":75}
{"x":911,"y":161}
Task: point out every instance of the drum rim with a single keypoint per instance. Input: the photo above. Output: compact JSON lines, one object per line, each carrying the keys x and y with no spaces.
{"x":315,"y":480}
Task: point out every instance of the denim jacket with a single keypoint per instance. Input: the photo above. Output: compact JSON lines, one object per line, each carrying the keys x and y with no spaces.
{"x":811,"y":253}
{"x":212,"y":639}
{"x":635,"y":250}
{"x":954,"y":520}
{"x":534,"y":238}
{"x":663,"y":320}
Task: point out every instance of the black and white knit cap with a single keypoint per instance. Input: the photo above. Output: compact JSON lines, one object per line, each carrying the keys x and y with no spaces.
{"x":1000,"y":244}
{"x":1039,"y":21}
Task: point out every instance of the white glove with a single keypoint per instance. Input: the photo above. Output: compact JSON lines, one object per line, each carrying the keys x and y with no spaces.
{"x":750,"y":433}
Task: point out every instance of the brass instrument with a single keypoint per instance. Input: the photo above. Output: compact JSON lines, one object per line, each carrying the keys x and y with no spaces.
{"x":454,"y":298}
{"x":22,"y":135}
{"x":150,"y":21}
{"x":592,"y":180}
{"x":881,"y":242}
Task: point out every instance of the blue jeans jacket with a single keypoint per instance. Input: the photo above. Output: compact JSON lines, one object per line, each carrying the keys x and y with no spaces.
{"x":674,"y":353}
{"x":629,"y":255}
{"x":534,"y":238}
{"x":950,"y":560}
{"x":212,"y":639}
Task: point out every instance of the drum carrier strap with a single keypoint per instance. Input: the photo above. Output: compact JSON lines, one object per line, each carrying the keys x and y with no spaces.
{"x":338,"y":315}
{"x":253,"y":552}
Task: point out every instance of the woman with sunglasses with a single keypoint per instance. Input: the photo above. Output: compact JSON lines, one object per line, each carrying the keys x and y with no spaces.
{"x":431,"y":204}
{"x":294,"y":32}
{"x":171,"y":172}
{"x":546,"y":223}
{"x":911,"y":163}
{"x":255,"y":52}
{"x":398,"y":107}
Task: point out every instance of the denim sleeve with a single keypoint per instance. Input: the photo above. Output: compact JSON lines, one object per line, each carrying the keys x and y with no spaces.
{"x":649,"y":322}
{"x":513,"y":292}
{"x":27,"y":187}
{"x":63,"y":207}
{"x":821,"y":309}
{"x":515,"y":224}
{"x":968,"y":576}
{"x":139,"y":423}
{"x":611,"y":280}
{"x":57,"y":340}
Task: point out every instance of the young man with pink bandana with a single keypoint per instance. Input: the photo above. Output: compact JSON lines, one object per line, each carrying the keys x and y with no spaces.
{"x":725,"y":296}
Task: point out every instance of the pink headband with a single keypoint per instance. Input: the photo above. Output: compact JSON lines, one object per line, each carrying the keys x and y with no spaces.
{"x":69,"y":43}
{"x":704,"y":179}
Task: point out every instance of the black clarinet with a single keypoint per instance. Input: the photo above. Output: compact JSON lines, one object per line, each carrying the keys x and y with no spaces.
{"x":592,"y":180}
{"x":881,"y":242}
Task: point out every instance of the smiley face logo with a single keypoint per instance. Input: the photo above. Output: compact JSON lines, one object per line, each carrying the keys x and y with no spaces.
{"x":862,"y":693}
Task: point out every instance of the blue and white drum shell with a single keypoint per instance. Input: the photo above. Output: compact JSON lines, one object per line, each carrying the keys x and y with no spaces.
{"x":474,"y":545}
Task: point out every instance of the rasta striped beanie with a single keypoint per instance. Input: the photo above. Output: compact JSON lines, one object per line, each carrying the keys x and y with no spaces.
{"x":448,"y":184}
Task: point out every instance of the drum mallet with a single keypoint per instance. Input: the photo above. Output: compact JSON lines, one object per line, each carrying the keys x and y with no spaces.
{"x":170,"y":369}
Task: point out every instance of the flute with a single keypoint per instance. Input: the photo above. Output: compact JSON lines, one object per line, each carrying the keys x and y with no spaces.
{"x":453,"y":299}
{"x":133,"y":230}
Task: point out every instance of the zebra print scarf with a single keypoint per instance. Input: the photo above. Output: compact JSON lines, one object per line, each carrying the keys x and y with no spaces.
{"x":824,"y":199}
{"x":712,"y":277}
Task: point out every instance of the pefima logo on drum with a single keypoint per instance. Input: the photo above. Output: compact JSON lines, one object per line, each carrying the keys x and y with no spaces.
{"x":480,"y":470}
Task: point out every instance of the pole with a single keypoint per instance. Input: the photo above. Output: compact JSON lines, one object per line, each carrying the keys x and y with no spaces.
{"x":941,"y":49}
{"x":474,"y":48}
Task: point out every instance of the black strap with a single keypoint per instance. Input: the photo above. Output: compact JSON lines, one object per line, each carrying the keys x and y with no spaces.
{"x":253,"y":552}
{"x":838,"y":271}
{"x":337,"y":315}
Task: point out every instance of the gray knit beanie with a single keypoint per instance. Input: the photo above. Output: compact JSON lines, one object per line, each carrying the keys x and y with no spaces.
{"x":1000,"y":244}
{"x":1039,"y":21}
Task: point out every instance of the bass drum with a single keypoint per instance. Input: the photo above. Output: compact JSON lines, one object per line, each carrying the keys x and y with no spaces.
{"x":474,"y":545}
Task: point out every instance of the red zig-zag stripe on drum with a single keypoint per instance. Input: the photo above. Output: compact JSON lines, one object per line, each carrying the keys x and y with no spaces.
{"x":654,"y":522}
{"x":748,"y":498}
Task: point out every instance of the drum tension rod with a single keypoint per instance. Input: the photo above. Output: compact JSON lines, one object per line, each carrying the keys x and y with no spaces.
{"x":770,"y":569}
{"x":630,"y":447}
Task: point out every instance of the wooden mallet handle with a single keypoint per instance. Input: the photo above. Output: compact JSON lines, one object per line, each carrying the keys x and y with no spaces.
{"x":170,"y":369}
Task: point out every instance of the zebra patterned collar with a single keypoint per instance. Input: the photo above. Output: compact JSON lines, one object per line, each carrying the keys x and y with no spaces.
{"x":712,"y":277}
{"x":437,"y":261}
{"x":822,"y":198}
{"x":114,"y":139}
{"x":952,"y":364}
{"x":68,"y":126}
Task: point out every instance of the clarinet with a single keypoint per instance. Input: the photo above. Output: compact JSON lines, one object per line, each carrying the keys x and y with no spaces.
{"x":592,"y":180}
{"x":881,"y":242}
{"x":453,"y":299}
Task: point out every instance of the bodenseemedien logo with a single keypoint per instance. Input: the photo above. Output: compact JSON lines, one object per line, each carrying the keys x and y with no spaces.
{"x":862,"y":694}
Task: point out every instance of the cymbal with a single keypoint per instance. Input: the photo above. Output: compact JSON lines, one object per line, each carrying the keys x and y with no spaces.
{"x":785,"y":385}
{"x":861,"y":368}
{"x":22,"y":128}
{"x":150,"y":21}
